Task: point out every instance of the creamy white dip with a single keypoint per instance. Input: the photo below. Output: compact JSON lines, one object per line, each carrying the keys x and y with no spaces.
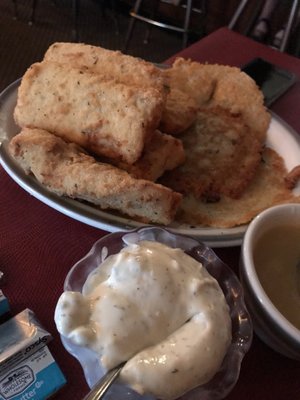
{"x":156,"y":307}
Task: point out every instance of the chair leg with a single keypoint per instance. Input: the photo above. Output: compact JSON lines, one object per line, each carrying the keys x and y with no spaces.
{"x":75,"y":13}
{"x":33,"y":10}
{"x":15,"y":9}
{"x":152,"y":16}
{"x":296,"y":49}
{"x":203,"y":7}
{"x":114,"y":15}
{"x":114,"y":7}
{"x":187,"y":23}
{"x":131,"y":25}
{"x":289,"y":26}
{"x":237,"y":14}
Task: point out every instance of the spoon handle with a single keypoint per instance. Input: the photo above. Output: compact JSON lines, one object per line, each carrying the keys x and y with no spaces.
{"x":100,"y":388}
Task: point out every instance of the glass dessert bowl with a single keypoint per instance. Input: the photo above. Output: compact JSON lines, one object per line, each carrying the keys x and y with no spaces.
{"x":227,"y":375}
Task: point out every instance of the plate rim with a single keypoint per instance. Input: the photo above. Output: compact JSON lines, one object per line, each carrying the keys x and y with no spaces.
{"x":106,"y":220}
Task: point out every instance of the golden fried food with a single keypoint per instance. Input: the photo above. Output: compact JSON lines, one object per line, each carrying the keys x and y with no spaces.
{"x":112,"y":64}
{"x":222,"y":157}
{"x":64,"y":168}
{"x":239,"y":94}
{"x":267,"y":189}
{"x":214,"y":85}
{"x":293,"y":177}
{"x":179,"y":113}
{"x":162,"y":153}
{"x":116,"y":107}
{"x":103,"y":116}
{"x":189,"y":78}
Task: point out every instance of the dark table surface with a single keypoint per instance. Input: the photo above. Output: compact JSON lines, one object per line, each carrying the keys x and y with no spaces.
{"x":38,"y":245}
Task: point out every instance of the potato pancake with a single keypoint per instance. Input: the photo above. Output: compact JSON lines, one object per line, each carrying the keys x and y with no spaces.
{"x":267,"y":189}
{"x":222,"y":156}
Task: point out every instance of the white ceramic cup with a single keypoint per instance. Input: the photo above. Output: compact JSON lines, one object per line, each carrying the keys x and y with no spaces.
{"x":269,"y":324}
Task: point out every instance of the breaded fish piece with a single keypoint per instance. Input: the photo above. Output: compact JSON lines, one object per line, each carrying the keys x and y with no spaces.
{"x":103,"y":116}
{"x":66,"y":170}
{"x":188,"y":77}
{"x":266,"y":190}
{"x":293,"y":178}
{"x":112,"y":64}
{"x":162,"y":153}
{"x":238,"y":93}
{"x":222,"y":157}
{"x":179,"y":113}
{"x":213,"y":85}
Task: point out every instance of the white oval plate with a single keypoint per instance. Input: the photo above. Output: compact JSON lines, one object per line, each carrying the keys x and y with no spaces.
{"x":280,"y":136}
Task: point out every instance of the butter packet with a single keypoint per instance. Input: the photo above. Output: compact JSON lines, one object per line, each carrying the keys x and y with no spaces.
{"x":27,"y":368}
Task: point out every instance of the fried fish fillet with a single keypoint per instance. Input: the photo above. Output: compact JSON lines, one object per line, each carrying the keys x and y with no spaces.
{"x":179,"y":112}
{"x":112,"y":64}
{"x":239,"y":94}
{"x":189,"y":78}
{"x":214,"y":85}
{"x":180,"y":109}
{"x":66,"y":170}
{"x":103,"y":116}
{"x":267,"y":189}
{"x":293,"y":177}
{"x":222,"y":157}
{"x":162,"y":153}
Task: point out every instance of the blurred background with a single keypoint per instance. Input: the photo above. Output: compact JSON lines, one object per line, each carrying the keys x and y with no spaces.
{"x":28,"y":27}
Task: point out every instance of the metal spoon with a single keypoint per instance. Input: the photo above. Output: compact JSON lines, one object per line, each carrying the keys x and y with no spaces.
{"x":101,"y":387}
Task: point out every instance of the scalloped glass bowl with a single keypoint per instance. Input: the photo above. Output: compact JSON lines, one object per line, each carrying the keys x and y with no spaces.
{"x":269,"y":324}
{"x":227,"y":376}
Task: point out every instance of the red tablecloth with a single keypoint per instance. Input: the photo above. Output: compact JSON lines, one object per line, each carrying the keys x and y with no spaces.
{"x":38,"y":245}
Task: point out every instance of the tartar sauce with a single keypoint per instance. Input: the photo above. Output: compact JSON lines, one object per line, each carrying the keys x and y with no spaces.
{"x":156,"y":307}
